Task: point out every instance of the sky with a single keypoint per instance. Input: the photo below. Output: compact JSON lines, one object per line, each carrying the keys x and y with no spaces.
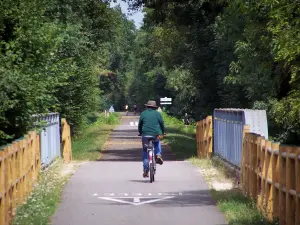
{"x":137,"y":17}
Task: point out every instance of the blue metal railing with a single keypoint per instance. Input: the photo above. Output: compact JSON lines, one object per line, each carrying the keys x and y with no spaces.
{"x":228,"y":125}
{"x":49,"y":137}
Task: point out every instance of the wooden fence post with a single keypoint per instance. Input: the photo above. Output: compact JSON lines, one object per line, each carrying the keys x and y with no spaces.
{"x":291,"y":194}
{"x":2,"y":187}
{"x":66,"y":141}
{"x":244,"y":157}
{"x":282,"y":187}
{"x":260,"y":167}
{"x":297,"y":175}
{"x":198,"y":137}
{"x":275,"y":180}
{"x":204,"y":137}
{"x":209,"y":137}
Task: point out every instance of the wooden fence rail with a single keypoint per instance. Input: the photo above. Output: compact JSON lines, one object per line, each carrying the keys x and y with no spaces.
{"x":19,"y":170}
{"x":271,"y":175}
{"x":204,"y":137}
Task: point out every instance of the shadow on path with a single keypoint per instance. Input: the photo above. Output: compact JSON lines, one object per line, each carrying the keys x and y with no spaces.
{"x":130,"y":155}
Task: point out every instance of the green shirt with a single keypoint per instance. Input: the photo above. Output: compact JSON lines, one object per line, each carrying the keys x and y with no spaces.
{"x":151,"y":123}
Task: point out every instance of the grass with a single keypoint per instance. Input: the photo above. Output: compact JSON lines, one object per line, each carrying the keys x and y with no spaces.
{"x":238,"y":209}
{"x":89,"y":143}
{"x":42,"y":202}
{"x":180,"y":138}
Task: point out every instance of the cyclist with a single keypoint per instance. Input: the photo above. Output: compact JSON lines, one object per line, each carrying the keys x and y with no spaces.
{"x":186,"y":120}
{"x":151,"y":124}
{"x":126,"y":108}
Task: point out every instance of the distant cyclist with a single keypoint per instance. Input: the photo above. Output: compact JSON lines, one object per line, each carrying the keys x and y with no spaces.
{"x":134,"y":109}
{"x":186,"y":120}
{"x":126,"y":108}
{"x":151,"y":124}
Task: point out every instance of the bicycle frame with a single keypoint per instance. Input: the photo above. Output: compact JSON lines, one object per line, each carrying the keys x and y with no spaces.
{"x":152,"y":162}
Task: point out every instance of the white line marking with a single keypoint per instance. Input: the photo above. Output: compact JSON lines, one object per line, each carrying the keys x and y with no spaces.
{"x":136,"y":194}
{"x":144,"y":194}
{"x":116,"y":200}
{"x":136,"y":200}
{"x":95,"y":194}
{"x":154,"y":200}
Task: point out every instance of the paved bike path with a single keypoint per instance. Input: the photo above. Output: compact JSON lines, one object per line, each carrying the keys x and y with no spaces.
{"x":112,"y":191}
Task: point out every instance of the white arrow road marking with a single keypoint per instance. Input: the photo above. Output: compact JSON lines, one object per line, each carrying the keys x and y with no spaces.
{"x":141,"y":194}
{"x":155,"y":200}
{"x":136,"y":201}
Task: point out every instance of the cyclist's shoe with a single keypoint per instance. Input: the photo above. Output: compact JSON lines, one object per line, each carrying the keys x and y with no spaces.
{"x":159,"y":160}
{"x":146,"y":173}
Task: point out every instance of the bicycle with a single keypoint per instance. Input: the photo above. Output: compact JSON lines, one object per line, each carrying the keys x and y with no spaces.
{"x":151,"y":157}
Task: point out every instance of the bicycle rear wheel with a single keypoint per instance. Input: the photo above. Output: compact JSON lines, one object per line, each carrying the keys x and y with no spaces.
{"x":151,"y":174}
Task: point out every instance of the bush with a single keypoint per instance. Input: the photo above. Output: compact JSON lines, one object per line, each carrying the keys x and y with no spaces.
{"x":112,"y":119}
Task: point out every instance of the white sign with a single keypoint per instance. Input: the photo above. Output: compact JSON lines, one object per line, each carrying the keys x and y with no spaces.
{"x":111,"y":109}
{"x":165,"y":99}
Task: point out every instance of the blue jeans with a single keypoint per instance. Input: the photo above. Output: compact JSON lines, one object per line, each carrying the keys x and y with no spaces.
{"x":157,"y":150}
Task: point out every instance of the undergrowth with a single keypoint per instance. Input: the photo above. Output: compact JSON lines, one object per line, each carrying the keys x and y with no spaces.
{"x":42,"y":202}
{"x":89,"y":143}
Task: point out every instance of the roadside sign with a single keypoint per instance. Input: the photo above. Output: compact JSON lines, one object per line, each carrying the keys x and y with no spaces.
{"x":166,"y":101}
{"x":111,"y":109}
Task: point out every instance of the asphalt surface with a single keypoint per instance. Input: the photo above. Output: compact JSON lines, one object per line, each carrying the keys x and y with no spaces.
{"x":112,"y":191}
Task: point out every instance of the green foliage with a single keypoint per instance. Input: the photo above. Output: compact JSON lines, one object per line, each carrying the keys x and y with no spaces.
{"x":51,"y":56}
{"x":76,"y":57}
{"x":213,"y":54}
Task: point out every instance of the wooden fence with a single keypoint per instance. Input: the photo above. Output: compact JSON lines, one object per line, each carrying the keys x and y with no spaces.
{"x":66,"y":141}
{"x":19,"y":170}
{"x":204,"y":137}
{"x":20,"y":166}
{"x":271,"y":175}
